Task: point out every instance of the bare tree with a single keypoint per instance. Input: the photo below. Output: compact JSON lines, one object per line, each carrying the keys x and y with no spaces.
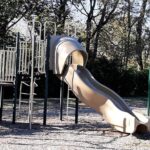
{"x":98,"y":14}
{"x":12,"y":11}
{"x":87,"y":11}
{"x":139,"y":29}
{"x":106,"y":14}
{"x":60,"y":12}
{"x":129,"y":24}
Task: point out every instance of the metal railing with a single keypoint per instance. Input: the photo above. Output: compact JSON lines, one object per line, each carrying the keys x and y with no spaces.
{"x":40,"y":56}
{"x":25,"y":57}
{"x":7,"y":65}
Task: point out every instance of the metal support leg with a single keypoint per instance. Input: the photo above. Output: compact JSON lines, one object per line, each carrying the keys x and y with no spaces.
{"x":1,"y":103}
{"x":148,"y":101}
{"x":16,"y":82}
{"x":76,"y":110}
{"x":67,"y":107}
{"x":45,"y":100}
{"x":20,"y":97}
{"x":46,"y":79}
{"x":61,"y":98}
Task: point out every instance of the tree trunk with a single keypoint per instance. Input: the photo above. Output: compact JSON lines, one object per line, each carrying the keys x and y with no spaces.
{"x":139,"y":46}
{"x":88,"y":35}
{"x":61,"y":16}
{"x":96,"y":40}
{"x":128,"y":36}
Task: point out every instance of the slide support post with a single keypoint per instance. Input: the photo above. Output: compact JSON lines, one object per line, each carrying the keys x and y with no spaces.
{"x":61,"y":98}
{"x":46,"y":78}
{"x":76,"y":110}
{"x":148,"y":101}
{"x":16,"y":80}
{"x":1,"y":103}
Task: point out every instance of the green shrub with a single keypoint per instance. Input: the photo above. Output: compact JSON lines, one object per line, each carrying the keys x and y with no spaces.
{"x":141,"y":83}
{"x":125,"y":82}
{"x":106,"y":71}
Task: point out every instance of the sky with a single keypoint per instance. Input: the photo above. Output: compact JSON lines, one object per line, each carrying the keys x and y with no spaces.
{"x":23,"y":27}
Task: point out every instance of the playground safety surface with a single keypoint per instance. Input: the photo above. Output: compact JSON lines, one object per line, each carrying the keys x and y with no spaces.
{"x":92,"y":132}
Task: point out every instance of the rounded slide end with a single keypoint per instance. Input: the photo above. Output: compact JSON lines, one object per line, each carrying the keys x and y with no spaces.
{"x":61,"y":48}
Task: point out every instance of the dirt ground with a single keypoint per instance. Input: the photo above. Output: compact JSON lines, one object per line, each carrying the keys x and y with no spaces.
{"x":91,"y":132}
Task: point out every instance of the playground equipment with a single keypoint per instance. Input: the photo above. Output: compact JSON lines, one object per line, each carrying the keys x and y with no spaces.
{"x":66,"y":57}
{"x":26,"y":60}
{"x":9,"y":61}
{"x":105,"y":101}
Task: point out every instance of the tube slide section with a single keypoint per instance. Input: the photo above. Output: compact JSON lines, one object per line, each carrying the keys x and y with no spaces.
{"x":105,"y":101}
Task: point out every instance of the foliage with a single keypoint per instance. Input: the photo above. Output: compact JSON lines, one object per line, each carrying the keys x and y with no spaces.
{"x":125,"y":82}
{"x":116,"y":34}
{"x":12,"y":11}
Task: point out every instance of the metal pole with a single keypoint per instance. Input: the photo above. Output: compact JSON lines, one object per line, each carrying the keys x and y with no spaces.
{"x":1,"y":103}
{"x":46,"y":78}
{"x":16,"y":79}
{"x":67,"y":109}
{"x":76,"y":110}
{"x":32,"y":76}
{"x":148,"y":101}
{"x":61,"y":98}
{"x":68,"y":90}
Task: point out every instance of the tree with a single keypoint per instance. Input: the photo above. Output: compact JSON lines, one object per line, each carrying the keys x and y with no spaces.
{"x":139,"y":30}
{"x":12,"y":11}
{"x":98,"y":14}
{"x":128,"y":20}
{"x":106,"y":14}
{"x":60,"y":12}
{"x":89,"y":12}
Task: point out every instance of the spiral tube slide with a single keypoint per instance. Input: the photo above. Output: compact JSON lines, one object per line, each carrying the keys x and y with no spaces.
{"x":97,"y":96}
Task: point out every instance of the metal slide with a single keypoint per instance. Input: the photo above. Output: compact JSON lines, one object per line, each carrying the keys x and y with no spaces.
{"x":97,"y":96}
{"x":105,"y":101}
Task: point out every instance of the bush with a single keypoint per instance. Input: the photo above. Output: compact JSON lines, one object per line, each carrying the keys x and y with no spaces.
{"x":106,"y":71}
{"x":141,"y":83}
{"x":125,"y":82}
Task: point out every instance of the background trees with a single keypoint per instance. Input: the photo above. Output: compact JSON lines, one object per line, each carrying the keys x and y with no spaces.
{"x":117,"y":28}
{"x":116,"y":33}
{"x":12,"y":11}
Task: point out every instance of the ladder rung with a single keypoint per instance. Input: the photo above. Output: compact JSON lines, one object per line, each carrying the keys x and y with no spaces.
{"x":25,"y":83}
{"x":38,"y":56}
{"x":28,"y":93}
{"x":36,"y":85}
{"x":71,"y":98}
{"x":27,"y":101}
{"x":71,"y":107}
{"x":25,"y":93}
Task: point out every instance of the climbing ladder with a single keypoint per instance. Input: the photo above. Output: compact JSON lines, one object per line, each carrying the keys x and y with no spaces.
{"x":69,"y":101}
{"x":31,"y":62}
{"x":27,"y":93}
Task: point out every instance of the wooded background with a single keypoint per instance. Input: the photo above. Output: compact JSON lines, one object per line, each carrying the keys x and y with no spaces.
{"x":116,"y":35}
